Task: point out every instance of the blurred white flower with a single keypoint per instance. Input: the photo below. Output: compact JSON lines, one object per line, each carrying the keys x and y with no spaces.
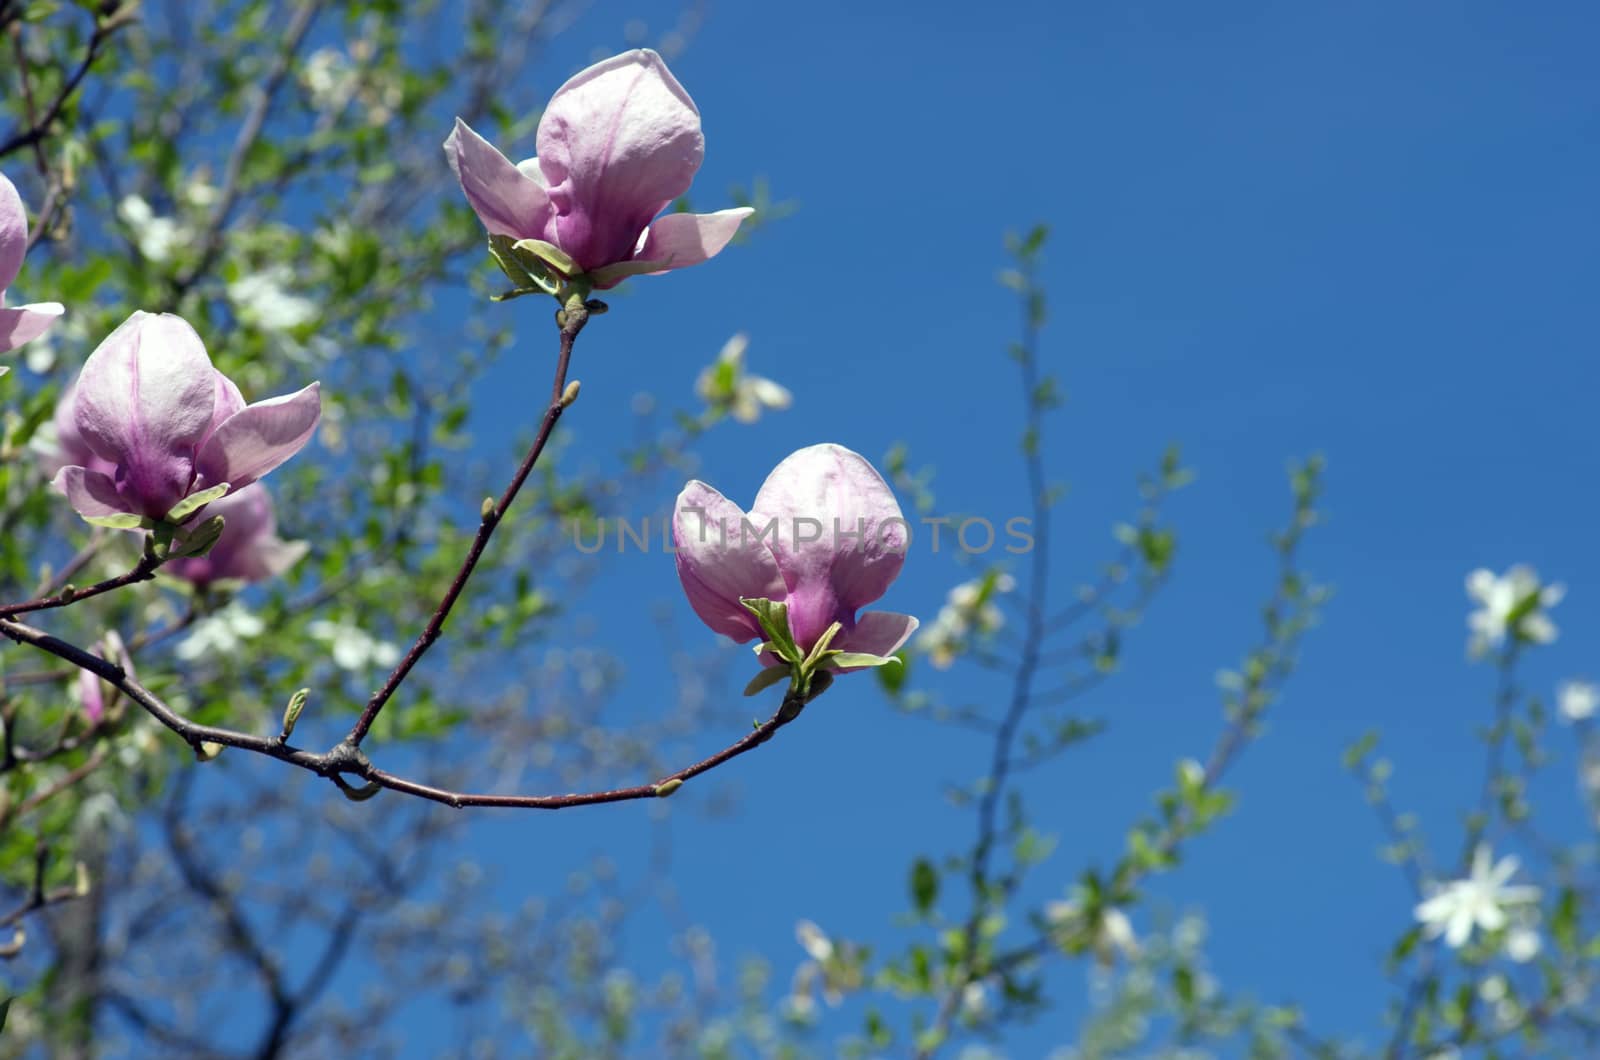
{"x":1523,"y":944}
{"x":329,"y":78}
{"x":263,"y":300}
{"x":969,"y":611}
{"x":813,"y":941}
{"x":156,"y":237}
{"x":221,"y":633}
{"x":1577,"y":700}
{"x":975,"y":1001}
{"x":1455,"y":908}
{"x":353,"y":648}
{"x":725,"y":384}
{"x":1513,"y":603}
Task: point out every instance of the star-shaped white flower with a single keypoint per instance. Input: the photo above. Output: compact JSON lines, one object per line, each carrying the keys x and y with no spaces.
{"x":1455,"y":908}
{"x":1514,"y":603}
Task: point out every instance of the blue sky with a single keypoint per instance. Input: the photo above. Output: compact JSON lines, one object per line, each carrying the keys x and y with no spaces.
{"x":1367,"y":230}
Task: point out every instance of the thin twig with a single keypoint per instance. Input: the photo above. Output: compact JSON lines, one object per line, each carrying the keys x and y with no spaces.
{"x":573,"y":318}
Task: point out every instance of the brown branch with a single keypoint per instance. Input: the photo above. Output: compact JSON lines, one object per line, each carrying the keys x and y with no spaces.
{"x":142,"y":571}
{"x":249,"y":132}
{"x":104,"y":27}
{"x":346,"y":760}
{"x":572,"y":320}
{"x":38,"y":898}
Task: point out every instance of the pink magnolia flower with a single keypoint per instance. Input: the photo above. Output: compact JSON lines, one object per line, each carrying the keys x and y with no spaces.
{"x":249,"y":549}
{"x":617,"y":144}
{"x":20,"y":323}
{"x":149,"y":404}
{"x":825,"y":537}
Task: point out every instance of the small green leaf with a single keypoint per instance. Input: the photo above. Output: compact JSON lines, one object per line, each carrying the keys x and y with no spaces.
{"x":195,"y":501}
{"x":841,"y":659}
{"x":769,"y":676}
{"x":924,"y":885}
{"x":198,"y":542}
{"x":119,"y":521}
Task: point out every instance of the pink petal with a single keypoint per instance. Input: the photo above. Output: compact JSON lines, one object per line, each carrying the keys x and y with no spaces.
{"x":841,"y":537}
{"x":681,"y":239}
{"x":25,"y":323}
{"x":506,"y":200}
{"x":618,"y":142}
{"x":259,"y":437}
{"x":144,"y":402}
{"x":675,"y":242}
{"x":876,"y":633}
{"x":719,"y":561}
{"x":13,"y":232}
{"x":226,"y":400}
{"x":91,"y":494}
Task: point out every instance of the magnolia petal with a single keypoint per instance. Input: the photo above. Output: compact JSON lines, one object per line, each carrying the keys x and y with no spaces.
{"x":24,"y":323}
{"x":529,"y":167}
{"x":618,"y":142}
{"x":682,"y":239}
{"x":227,"y":400}
{"x":259,"y":437}
{"x":92,"y":495}
{"x":841,"y":536}
{"x":506,"y":200}
{"x":13,"y":232}
{"x":144,"y":403}
{"x":720,"y":558}
{"x":876,"y":633}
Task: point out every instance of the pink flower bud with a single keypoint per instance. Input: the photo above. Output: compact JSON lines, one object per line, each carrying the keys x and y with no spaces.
{"x":825,"y":537}
{"x":150,"y":405}
{"x":617,"y":144}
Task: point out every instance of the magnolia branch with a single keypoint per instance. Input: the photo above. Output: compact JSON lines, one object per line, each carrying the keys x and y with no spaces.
{"x":572,"y":320}
{"x":345,"y":760}
{"x":39,"y":127}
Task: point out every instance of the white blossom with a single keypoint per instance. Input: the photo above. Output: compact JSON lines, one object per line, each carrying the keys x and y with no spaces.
{"x":726,"y":383}
{"x":1453,"y":909}
{"x":156,"y":237}
{"x":1514,"y":604}
{"x":222,"y":633}
{"x":811,"y":938}
{"x":1577,"y":700}
{"x":353,"y":648}
{"x":263,"y":299}
{"x":969,"y":611}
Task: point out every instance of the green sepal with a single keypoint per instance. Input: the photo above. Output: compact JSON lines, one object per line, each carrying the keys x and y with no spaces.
{"x":547,"y":254}
{"x":774,"y":619}
{"x":819,"y":650}
{"x":839,"y":659}
{"x":198,"y":541}
{"x":120,"y":521}
{"x":526,"y":271}
{"x":769,"y":676}
{"x":195,"y":501}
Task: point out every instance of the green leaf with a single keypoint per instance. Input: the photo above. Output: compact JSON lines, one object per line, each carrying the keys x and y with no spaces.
{"x":769,"y":676}
{"x":195,"y":501}
{"x":840,"y":659}
{"x":924,"y":885}
{"x":198,"y":542}
{"x":119,"y":521}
